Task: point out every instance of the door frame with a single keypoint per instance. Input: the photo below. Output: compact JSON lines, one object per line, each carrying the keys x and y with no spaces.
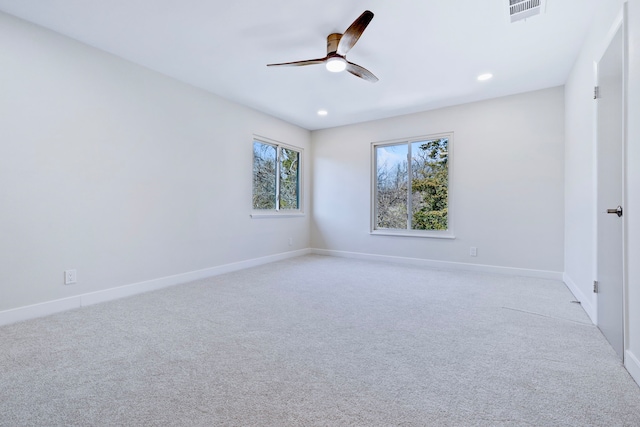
{"x":619,"y":23}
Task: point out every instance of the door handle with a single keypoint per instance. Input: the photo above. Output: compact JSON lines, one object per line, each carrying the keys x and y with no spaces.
{"x":617,"y":211}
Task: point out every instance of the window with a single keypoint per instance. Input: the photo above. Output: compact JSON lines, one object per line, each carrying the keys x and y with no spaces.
{"x":276,"y":177}
{"x":411,"y":187}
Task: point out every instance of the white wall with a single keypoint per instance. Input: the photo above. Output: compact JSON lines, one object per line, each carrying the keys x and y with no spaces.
{"x":507,"y":183}
{"x":121,"y":173}
{"x":633,"y":191}
{"x":580,"y":173}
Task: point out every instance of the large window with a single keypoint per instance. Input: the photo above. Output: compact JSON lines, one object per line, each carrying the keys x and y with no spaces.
{"x":276,"y":176}
{"x":411,"y":187}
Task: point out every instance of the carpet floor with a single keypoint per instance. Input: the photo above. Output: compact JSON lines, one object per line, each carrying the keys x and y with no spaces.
{"x":320,"y":341}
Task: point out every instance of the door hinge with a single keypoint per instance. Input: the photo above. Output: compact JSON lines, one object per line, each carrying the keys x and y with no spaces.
{"x":595,"y":286}
{"x":596,"y":92}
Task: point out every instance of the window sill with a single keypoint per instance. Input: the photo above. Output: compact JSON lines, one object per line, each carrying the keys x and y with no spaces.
{"x":257,"y":215}
{"x":403,"y":233}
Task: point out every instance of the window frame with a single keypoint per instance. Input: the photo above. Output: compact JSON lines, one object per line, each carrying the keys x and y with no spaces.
{"x":407,"y":232}
{"x":278,"y":212}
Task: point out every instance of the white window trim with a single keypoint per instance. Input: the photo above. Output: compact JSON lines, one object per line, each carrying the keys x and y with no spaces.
{"x":435,"y":234}
{"x":272,"y":214}
{"x":280,"y":213}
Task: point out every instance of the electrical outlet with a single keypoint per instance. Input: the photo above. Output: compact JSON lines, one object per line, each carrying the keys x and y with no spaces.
{"x":70,"y":277}
{"x":473,"y":251}
{"x":290,"y":241}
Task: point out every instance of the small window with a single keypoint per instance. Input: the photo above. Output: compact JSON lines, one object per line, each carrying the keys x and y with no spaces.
{"x":411,"y":192}
{"x":276,"y":177}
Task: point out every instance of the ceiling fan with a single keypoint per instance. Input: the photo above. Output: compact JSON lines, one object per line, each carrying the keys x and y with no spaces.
{"x":337,"y":47}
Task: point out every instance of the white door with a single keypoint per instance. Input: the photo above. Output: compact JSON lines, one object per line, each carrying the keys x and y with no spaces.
{"x":610,"y":193}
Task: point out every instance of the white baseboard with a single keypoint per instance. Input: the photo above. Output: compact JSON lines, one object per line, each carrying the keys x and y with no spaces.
{"x":586,"y":302}
{"x":51,"y":307}
{"x":632,"y":363}
{"x":444,"y":265}
{"x":38,"y":310}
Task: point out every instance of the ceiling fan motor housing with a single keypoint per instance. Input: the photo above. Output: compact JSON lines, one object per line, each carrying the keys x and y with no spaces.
{"x":332,"y":42}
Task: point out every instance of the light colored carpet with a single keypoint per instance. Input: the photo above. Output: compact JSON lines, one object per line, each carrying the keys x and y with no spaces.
{"x":320,"y":341}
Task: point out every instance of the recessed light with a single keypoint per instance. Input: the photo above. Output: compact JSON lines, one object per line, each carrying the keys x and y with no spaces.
{"x":483,"y":77}
{"x":322,"y":112}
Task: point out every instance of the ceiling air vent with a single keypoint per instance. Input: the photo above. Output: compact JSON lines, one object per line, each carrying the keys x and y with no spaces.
{"x":523,"y":9}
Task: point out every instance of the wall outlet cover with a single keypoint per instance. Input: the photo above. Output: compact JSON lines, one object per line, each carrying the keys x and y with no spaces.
{"x":70,"y":277}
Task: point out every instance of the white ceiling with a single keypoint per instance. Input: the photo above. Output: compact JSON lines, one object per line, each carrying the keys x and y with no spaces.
{"x":426,"y":53}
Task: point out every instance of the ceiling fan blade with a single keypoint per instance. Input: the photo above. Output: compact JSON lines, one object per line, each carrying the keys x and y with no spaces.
{"x":353,"y":33}
{"x":361,"y":72}
{"x":299,"y":63}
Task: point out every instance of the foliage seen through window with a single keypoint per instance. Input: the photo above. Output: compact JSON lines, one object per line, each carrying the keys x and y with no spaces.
{"x":276,"y":177}
{"x":412,"y":185}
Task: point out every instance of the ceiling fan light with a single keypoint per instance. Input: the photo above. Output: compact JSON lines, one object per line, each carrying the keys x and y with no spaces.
{"x":336,"y":64}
